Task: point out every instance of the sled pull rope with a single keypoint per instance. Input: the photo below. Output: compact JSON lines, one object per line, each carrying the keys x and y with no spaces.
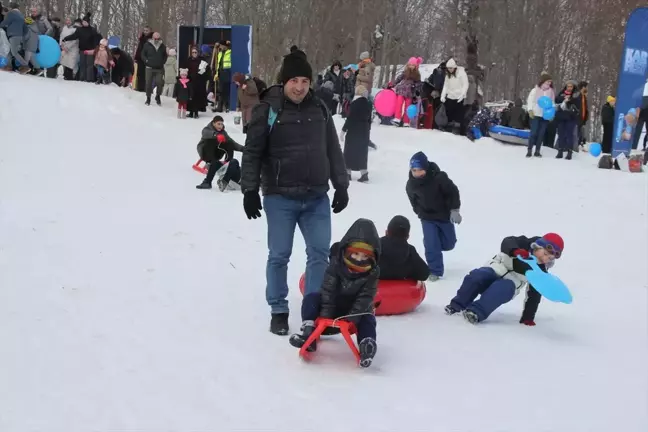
{"x":348,"y":316}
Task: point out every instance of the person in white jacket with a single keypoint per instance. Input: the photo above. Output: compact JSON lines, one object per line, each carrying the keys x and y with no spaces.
{"x":69,"y":50}
{"x":454,"y":92}
{"x":538,"y":123}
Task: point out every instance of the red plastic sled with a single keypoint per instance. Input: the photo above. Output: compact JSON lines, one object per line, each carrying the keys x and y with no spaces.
{"x":321,"y":324}
{"x":394,"y":297}
{"x":200,"y":168}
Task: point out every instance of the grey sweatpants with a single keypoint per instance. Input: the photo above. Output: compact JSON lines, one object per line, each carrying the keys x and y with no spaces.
{"x":16,"y":43}
{"x":154,"y":76}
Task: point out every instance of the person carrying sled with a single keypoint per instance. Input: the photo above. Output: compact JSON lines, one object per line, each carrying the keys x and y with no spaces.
{"x":399,"y":260}
{"x":214,"y":144}
{"x":348,"y":289}
{"x":435,"y":200}
{"x":503,"y":277}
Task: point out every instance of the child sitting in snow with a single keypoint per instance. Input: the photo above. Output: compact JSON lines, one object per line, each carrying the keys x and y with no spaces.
{"x":482,"y":121}
{"x":214,"y":144}
{"x":503,"y":278}
{"x":183,"y":92}
{"x":102,"y":62}
{"x":399,"y":260}
{"x":348,"y":289}
{"x":435,"y":200}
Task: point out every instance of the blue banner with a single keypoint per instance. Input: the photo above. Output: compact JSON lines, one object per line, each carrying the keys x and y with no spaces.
{"x":632,"y":92}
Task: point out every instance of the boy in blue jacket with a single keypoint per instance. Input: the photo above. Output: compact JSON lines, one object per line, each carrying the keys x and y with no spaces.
{"x":503,"y":277}
{"x":435,"y":200}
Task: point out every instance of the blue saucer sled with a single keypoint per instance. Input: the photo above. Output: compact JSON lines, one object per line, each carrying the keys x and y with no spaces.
{"x":550,"y":286}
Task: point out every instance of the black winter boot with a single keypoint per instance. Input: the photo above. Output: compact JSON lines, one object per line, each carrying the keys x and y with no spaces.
{"x":537,"y":153}
{"x":279,"y":324}
{"x":569,"y":155}
{"x":298,"y":340}
{"x":559,"y":155}
{"x":364,"y":178}
{"x":367,"y":348}
{"x":529,"y":153}
{"x":148,"y":101}
{"x":211,"y":173}
{"x":449,"y":310}
{"x":158,"y":100}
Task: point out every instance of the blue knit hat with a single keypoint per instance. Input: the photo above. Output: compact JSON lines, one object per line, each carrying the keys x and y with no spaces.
{"x":419,"y":161}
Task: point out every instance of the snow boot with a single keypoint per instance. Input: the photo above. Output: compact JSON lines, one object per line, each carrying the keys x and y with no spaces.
{"x":537,"y":154}
{"x":23,"y":70}
{"x":279,"y":324}
{"x":190,"y":114}
{"x":298,"y":340}
{"x":529,"y":153}
{"x":471,"y":316}
{"x":367,"y":348}
{"x":569,"y":155}
{"x":148,"y":101}
{"x":158,"y":101}
{"x":204,"y":185}
{"x":364,"y":178}
{"x":179,"y":113}
{"x":449,"y":310}
{"x":559,"y":155}
{"x":433,"y":278}
{"x":222,"y":184}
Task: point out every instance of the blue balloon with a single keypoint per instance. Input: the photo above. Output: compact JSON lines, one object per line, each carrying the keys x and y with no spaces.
{"x":595,"y":149}
{"x":545,"y":102}
{"x":412,"y":111}
{"x":549,"y":113}
{"x":49,"y":52}
{"x":3,"y":62}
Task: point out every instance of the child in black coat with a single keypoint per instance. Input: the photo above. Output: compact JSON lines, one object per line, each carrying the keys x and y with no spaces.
{"x":435,"y":200}
{"x":183,"y":92}
{"x":503,"y":277}
{"x":213,"y":146}
{"x":348,"y":290}
{"x":399,"y":260}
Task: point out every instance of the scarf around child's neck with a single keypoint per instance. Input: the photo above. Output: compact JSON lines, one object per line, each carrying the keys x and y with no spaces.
{"x":184,"y":82}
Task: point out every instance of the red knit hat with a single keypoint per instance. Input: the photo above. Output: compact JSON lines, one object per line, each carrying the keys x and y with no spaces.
{"x":552,"y":242}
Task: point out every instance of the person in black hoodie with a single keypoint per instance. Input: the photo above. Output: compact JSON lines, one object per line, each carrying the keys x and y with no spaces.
{"x":88,"y":38}
{"x":503,"y":277}
{"x":348,"y":290}
{"x":399,"y":260}
{"x":435,"y":200}
{"x":607,"y":120}
{"x":334,"y":74}
{"x":124,"y":67}
{"x":215,"y":144}
{"x":140,"y":84}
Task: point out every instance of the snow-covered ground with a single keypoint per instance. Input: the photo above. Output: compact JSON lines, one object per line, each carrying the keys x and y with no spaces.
{"x":130,"y":301}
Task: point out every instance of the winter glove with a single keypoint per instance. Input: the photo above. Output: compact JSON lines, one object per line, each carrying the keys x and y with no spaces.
{"x":520,"y":252}
{"x":455,"y":217}
{"x":531,"y":114}
{"x":220,"y":138}
{"x":529,"y":323}
{"x":340,"y":200}
{"x":341,"y":136}
{"x":252,"y":204}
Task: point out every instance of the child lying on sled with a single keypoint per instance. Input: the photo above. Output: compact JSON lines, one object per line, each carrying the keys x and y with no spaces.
{"x":504,"y":277}
{"x":348,"y":289}
{"x":214,"y":144}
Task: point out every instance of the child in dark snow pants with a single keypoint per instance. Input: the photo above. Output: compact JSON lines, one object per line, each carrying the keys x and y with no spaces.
{"x":503,"y":278}
{"x":348,"y":290}
{"x":435,"y":200}
{"x":214,"y":144}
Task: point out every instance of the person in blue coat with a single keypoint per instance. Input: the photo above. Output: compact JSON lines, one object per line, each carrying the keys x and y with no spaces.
{"x":14,"y":25}
{"x":503,"y":277}
{"x":435,"y":200}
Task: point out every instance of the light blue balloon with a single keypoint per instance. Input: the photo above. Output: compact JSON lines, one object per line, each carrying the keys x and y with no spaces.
{"x":545,"y":102}
{"x":595,"y":149}
{"x":549,"y":113}
{"x":3,"y":62}
{"x":412,"y":111}
{"x":49,"y":52}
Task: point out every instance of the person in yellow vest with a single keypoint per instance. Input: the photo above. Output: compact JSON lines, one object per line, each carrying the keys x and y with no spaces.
{"x":223,"y":75}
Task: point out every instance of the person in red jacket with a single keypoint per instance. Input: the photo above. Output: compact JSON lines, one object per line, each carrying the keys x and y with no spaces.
{"x":503,"y":278}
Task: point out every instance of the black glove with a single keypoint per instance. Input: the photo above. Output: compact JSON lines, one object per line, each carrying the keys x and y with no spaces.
{"x":252,"y":204}
{"x":340,"y":200}
{"x":520,"y":266}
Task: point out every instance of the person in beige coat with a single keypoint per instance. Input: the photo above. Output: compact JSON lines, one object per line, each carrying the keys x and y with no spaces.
{"x":366,"y":69}
{"x":248,"y":96}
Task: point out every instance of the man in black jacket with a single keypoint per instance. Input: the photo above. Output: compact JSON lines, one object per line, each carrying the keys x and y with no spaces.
{"x":154,"y":55}
{"x":399,"y":260}
{"x":88,"y":38}
{"x":124,"y":67}
{"x":291,"y":153}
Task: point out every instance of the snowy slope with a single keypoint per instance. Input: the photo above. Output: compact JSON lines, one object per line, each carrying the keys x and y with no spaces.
{"x":131,"y":301}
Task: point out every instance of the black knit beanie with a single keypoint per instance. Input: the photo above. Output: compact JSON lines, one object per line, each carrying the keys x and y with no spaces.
{"x":295,"y":65}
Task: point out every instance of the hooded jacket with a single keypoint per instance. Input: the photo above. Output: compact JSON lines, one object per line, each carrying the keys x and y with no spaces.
{"x":292,"y":149}
{"x":345,"y":293}
{"x":170,"y":70}
{"x":14,"y":24}
{"x":433,"y":196}
{"x":399,"y":260}
{"x":154,"y":54}
{"x":211,"y":150}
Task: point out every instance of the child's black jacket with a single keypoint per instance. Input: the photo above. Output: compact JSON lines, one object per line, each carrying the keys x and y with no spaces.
{"x":399,"y":260}
{"x":433,"y":196}
{"x":182,"y":93}
{"x":349,"y":294}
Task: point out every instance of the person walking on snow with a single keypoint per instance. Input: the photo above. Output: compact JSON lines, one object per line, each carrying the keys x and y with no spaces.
{"x":140,"y":81}
{"x":454,"y":92}
{"x":291,"y":154}
{"x":435,"y":200}
{"x":334,"y":74}
{"x":170,"y":73}
{"x":154,"y":56}
{"x":14,"y":26}
{"x":366,"y":69}
{"x":503,"y":277}
{"x":538,"y":123}
{"x":357,"y":128}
